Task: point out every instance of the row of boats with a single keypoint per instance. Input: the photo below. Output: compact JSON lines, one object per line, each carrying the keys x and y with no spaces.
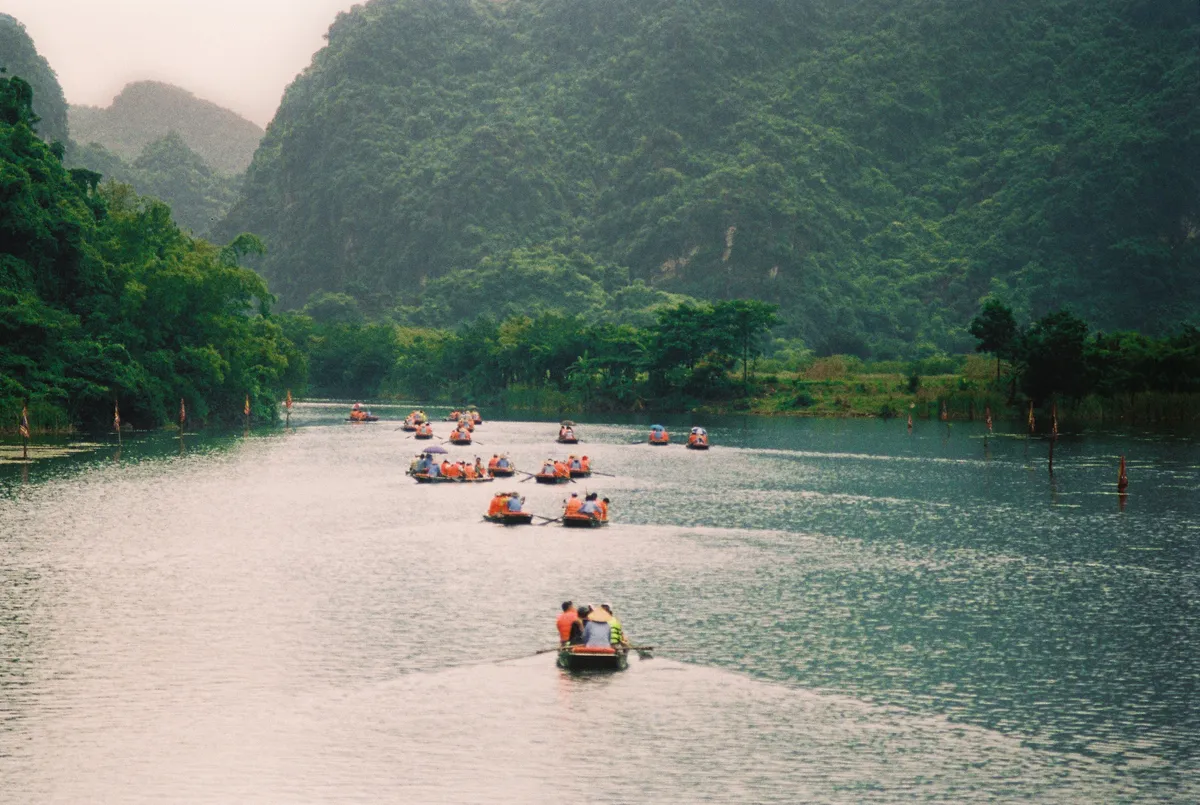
{"x":508,"y":508}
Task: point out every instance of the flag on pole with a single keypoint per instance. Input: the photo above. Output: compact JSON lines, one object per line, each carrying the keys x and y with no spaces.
{"x":24,"y":428}
{"x":182,"y":413}
{"x":246,"y":408}
{"x":116,"y":416}
{"x":288,"y":402}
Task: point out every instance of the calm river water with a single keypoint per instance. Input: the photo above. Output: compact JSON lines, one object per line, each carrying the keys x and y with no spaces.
{"x":847,"y":613}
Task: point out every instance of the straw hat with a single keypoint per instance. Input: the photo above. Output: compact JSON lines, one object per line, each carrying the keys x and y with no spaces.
{"x":599,"y":616}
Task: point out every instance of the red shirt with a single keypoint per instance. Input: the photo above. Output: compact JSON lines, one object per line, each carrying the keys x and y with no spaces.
{"x":564,"y":624}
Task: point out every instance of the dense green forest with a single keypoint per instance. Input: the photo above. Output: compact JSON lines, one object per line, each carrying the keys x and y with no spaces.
{"x":874,"y":167}
{"x":103,"y":299}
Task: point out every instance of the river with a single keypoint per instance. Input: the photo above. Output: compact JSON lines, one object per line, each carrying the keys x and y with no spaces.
{"x":845,"y":612}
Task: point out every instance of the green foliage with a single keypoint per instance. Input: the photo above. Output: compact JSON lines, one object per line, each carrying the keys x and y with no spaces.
{"x":995,"y":328}
{"x":874,"y":168}
{"x":103,"y":297}
{"x":19,"y":58}
{"x":168,"y":170}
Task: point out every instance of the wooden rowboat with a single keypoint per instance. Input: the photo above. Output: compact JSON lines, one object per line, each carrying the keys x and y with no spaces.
{"x":697,"y":445}
{"x":587,"y":659}
{"x":510,"y":518}
{"x":582,"y":521}
{"x":442,"y":479}
{"x":455,"y":438}
{"x":551,"y":479}
{"x":363,"y":419}
{"x":581,"y":473}
{"x":408,"y":426}
{"x":422,"y":435}
{"x":504,"y":472}
{"x":572,"y":440}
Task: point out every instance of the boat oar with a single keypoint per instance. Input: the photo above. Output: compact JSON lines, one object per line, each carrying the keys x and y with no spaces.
{"x":605,"y":474}
{"x":544,"y":517}
{"x":549,"y":521}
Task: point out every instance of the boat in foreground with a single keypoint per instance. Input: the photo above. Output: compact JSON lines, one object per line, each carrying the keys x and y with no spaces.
{"x":588,"y":658}
{"x":581,"y":473}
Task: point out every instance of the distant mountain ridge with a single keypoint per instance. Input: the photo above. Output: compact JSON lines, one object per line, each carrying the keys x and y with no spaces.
{"x":146,"y":111}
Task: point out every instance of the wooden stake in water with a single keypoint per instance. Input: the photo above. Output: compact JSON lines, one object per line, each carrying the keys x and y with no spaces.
{"x":117,"y":420}
{"x":182,"y":421}
{"x":1054,"y":420}
{"x":287,"y":405}
{"x":1122,"y":478}
{"x":24,"y":429}
{"x":1031,"y":420}
{"x":987,"y":417}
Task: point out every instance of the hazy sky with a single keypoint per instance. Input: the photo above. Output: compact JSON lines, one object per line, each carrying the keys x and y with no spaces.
{"x":238,"y":53}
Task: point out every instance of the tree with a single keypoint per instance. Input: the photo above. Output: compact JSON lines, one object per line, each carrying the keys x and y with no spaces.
{"x":1053,"y":353}
{"x":747,"y":321}
{"x":996,"y":330}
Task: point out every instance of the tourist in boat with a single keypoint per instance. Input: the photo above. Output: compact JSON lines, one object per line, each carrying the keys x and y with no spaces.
{"x":503,"y":463}
{"x":590,"y":507}
{"x":493,"y":463}
{"x":548,"y":468}
{"x":561,"y":469}
{"x":565,"y":621}
{"x":431,"y":467}
{"x":449,"y":470}
{"x":574,"y":504}
{"x":658,"y":434}
{"x":425,"y":429}
{"x":597,"y":631}
{"x":480,"y":471}
{"x":358,"y":413}
{"x":584,"y":464}
{"x":499,"y":503}
{"x":574,"y":463}
{"x":616,"y":633}
{"x":603,"y":504}
{"x":698,"y":436}
{"x":515,"y":503}
{"x":575,"y":638}
{"x":468,"y":470}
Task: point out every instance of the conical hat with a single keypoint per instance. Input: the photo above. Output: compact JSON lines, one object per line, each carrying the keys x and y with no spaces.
{"x":599,"y":616}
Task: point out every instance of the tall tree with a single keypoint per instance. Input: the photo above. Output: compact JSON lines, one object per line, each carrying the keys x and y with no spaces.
{"x":995,"y":328}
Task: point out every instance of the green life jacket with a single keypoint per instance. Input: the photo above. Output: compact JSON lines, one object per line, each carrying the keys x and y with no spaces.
{"x":615,"y":633}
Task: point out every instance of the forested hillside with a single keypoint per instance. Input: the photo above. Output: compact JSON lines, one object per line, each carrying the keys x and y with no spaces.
{"x":146,"y":111}
{"x":875,"y":167}
{"x":19,"y":57}
{"x":104,"y":300}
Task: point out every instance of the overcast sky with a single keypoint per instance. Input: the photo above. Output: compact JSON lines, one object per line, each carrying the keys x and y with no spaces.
{"x":238,"y":53}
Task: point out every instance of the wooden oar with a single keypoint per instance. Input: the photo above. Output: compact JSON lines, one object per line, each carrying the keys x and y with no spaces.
{"x":544,"y":517}
{"x":605,"y":474}
{"x":549,"y":521}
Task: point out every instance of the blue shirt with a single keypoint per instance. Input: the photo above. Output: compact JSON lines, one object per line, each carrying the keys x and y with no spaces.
{"x":502,"y":463}
{"x":589,"y":507}
{"x":434,"y":469}
{"x":597,"y":634}
{"x":514,"y":504}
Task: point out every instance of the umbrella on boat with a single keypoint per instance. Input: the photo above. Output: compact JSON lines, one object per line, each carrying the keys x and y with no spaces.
{"x":435,"y":448}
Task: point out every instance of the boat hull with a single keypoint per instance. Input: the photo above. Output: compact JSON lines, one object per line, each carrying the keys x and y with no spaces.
{"x":551,"y":479}
{"x":582,"y":521}
{"x":442,"y":479}
{"x":459,"y":441}
{"x":567,"y":441}
{"x":512,"y":518}
{"x":368,"y":419}
{"x":580,"y":659}
{"x":407,"y":427}
{"x":501,"y":472}
{"x":697,"y":446}
{"x":662,"y":443}
{"x":422,"y":435}
{"x":581,"y":473}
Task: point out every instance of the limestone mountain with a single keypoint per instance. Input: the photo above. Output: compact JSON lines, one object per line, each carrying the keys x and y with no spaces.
{"x":19,"y":57}
{"x":147,"y":111}
{"x":876,"y":167}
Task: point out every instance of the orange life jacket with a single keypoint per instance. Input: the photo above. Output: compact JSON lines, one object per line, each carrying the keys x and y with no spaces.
{"x":603,"y":509}
{"x":494,"y":461}
{"x":497,"y":505}
{"x":573,"y":506}
{"x":469,"y":470}
{"x":447,"y":468}
{"x":561,"y":470}
{"x":585,"y":464}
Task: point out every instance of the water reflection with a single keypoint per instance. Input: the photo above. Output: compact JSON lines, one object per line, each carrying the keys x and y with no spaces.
{"x":848,"y":612}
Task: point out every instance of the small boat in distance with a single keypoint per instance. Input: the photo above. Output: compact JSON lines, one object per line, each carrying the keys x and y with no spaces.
{"x":424,"y":431}
{"x":566,"y":433}
{"x":360,"y":414}
{"x":460,"y":437}
{"x":698,"y":439}
{"x":659,"y":435}
{"x":582,"y":659}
